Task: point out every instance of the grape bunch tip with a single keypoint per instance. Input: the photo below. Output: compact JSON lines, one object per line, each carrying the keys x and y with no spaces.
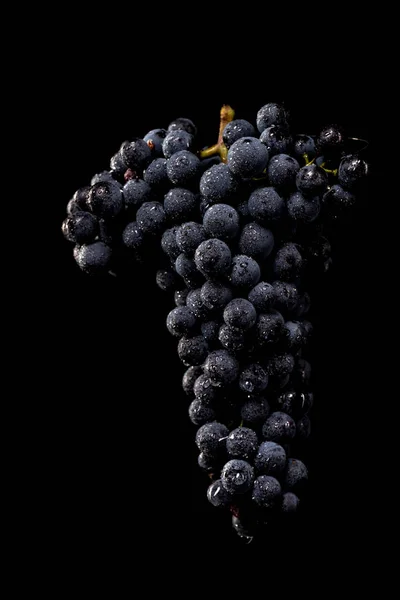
{"x":234,"y":232}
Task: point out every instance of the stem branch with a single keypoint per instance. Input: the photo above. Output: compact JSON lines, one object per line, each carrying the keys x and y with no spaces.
{"x":227,"y":115}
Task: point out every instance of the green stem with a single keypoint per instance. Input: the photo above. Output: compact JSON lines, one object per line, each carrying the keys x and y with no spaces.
{"x":333,"y":171}
{"x":307,"y":160}
{"x":227,"y":115}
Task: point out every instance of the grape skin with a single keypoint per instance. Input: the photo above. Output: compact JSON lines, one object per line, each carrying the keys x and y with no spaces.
{"x":237,"y":129}
{"x":218,"y":184}
{"x":247,"y":158}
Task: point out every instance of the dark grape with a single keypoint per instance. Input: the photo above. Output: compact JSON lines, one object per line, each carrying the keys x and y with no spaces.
{"x":270,"y":459}
{"x":290,"y":503}
{"x":242,"y":443}
{"x":188,"y":236}
{"x":294,"y":335}
{"x":200,"y":413}
{"x":352,"y":170}
{"x":282,"y":170}
{"x":156,"y":174}
{"x":182,"y":168}
{"x":135,"y":155}
{"x":221,"y":367}
{"x":256,"y":241}
{"x":118,"y":166}
{"x":266,"y":491}
{"x":189,"y":378}
{"x":319,"y":250}
{"x":166,"y":279}
{"x":93,"y":258}
{"x":276,"y":140}
{"x":294,"y":403}
{"x":296,"y":475}
{"x":266,"y":205}
{"x":186,"y":267}
{"x":210,"y":330}
{"x":207,"y":463}
{"x":337,"y":200}
{"x":303,"y":209}
{"x":80,"y":227}
{"x":218,"y":184}
{"x":169,"y":243}
{"x":241,"y":530}
{"x":80,"y":199}
{"x":255,"y":410}
{"x":213,"y":258}
{"x":262,"y":296}
{"x":303,"y":427}
{"x":180,"y":297}
{"x":301,"y":374}
{"x":105,"y":199}
{"x":180,"y":205}
{"x":103,"y":176}
{"x":211,"y":437}
{"x":237,"y":476}
{"x":279,"y":365}
{"x":175,"y":141}
{"x":311,"y":180}
{"x":247,"y":158}
{"x":154,"y":139}
{"x":196,"y":305}
{"x":217,"y":495}
{"x":151,"y":218}
{"x":237,"y":129}
{"x":279,"y":427}
{"x":204,"y":390}
{"x":183,"y":124}
{"x":239,"y":313}
{"x":136,"y":192}
{"x":180,"y":321}
{"x":221,"y":221}
{"x":269,"y":327}
{"x":331,"y":140}
{"x":253,"y":379}
{"x":232,"y":339}
{"x":209,"y":161}
{"x":132,"y":236}
{"x":192,"y":350}
{"x":245,"y":272}
{"x":303,"y":144}
{"x":72,"y":207}
{"x":286,"y":296}
{"x":272,"y":114}
{"x":288,"y":262}
{"x":215,"y":295}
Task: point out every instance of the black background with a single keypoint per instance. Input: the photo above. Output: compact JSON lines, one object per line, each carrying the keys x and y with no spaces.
{"x":123,"y":463}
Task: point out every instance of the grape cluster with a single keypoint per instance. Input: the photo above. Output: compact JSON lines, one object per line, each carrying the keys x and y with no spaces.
{"x":236,"y":232}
